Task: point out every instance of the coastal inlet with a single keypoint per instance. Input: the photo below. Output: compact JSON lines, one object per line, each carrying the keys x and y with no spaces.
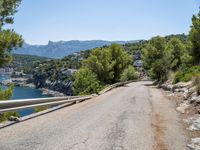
{"x":21,"y":92}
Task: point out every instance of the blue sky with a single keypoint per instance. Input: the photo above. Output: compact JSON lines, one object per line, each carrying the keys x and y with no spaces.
{"x":42,"y":20}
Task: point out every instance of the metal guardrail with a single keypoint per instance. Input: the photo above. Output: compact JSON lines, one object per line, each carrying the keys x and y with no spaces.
{"x":8,"y":105}
{"x":110,"y":87}
{"x":13,"y":105}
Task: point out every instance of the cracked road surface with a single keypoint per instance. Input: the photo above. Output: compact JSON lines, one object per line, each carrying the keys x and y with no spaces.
{"x":134,"y":117}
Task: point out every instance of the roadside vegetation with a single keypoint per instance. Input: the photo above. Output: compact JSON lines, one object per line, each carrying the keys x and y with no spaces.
{"x":9,"y":40}
{"x":177,"y":57}
{"x":104,"y":66}
{"x":5,"y":95}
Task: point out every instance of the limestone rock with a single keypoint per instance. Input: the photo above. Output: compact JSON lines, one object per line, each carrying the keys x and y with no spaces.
{"x":194,"y":144}
{"x":183,"y":85}
{"x":182,"y":107}
{"x":195,"y":100}
{"x":14,"y":118}
{"x":167,"y":86}
{"x":195,"y":123}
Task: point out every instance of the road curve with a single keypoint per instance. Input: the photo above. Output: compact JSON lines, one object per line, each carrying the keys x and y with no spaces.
{"x":134,"y":117}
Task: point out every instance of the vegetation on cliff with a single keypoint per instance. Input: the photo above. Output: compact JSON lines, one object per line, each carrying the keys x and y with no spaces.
{"x":25,"y":63}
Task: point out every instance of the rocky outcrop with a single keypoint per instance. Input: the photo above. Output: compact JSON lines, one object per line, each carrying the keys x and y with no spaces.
{"x":189,"y":100}
{"x":18,"y":82}
{"x":194,"y":144}
{"x":179,"y":87}
{"x":64,"y":87}
{"x":183,"y":107}
{"x":51,"y":92}
{"x":186,"y":91}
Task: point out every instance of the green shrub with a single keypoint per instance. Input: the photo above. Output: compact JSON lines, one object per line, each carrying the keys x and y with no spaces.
{"x":7,"y":115}
{"x":86,"y":82}
{"x":156,"y":58}
{"x":128,"y":74}
{"x":186,"y":75}
{"x":5,"y":95}
{"x":196,"y":82}
{"x":40,"y":108}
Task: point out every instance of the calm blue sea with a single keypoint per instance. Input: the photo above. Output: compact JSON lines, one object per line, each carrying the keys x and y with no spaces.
{"x":24,"y":93}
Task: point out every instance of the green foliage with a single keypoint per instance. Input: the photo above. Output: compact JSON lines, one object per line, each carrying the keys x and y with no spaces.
{"x":7,"y":10}
{"x":128,"y":74}
{"x":179,"y":54}
{"x":40,"y":108}
{"x":9,"y":40}
{"x":131,"y":48}
{"x":5,"y":95}
{"x":186,"y":75}
{"x":86,"y":82}
{"x":182,"y":37}
{"x":194,"y":37}
{"x":54,"y":70}
{"x":103,"y":66}
{"x":99,"y":62}
{"x":196,"y":82}
{"x":157,"y":58}
{"x":25,"y":63}
{"x":108,"y":63}
{"x":120,"y":61}
{"x":7,"y":115}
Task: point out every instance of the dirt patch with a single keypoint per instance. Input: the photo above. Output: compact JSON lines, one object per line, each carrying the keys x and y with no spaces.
{"x":159,"y":131}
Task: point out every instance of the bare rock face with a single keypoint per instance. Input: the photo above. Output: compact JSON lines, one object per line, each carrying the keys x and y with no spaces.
{"x":195,"y":100}
{"x":191,"y":92}
{"x":64,"y":87}
{"x":181,"y":90}
{"x":194,"y":144}
{"x":182,"y":107}
{"x":166,"y":86}
{"x":194,"y":123}
{"x":183,"y":85}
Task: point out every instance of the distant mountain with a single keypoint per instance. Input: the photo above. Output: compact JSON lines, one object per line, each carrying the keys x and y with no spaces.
{"x":62,"y":48}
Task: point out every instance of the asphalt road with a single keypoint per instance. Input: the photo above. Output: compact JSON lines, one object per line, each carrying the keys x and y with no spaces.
{"x":133,"y":117}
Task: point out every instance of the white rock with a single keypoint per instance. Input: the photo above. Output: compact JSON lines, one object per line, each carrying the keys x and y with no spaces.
{"x":14,"y":118}
{"x":195,"y":99}
{"x":167,"y":86}
{"x":195,"y":124}
{"x":194,"y":144}
{"x":182,"y":107}
{"x":171,"y":94}
{"x":181,"y":90}
{"x":183,"y":85}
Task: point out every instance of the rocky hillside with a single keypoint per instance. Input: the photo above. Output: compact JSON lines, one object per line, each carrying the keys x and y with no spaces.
{"x":25,"y":63}
{"x":57,"y":74}
{"x":188,"y":100}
